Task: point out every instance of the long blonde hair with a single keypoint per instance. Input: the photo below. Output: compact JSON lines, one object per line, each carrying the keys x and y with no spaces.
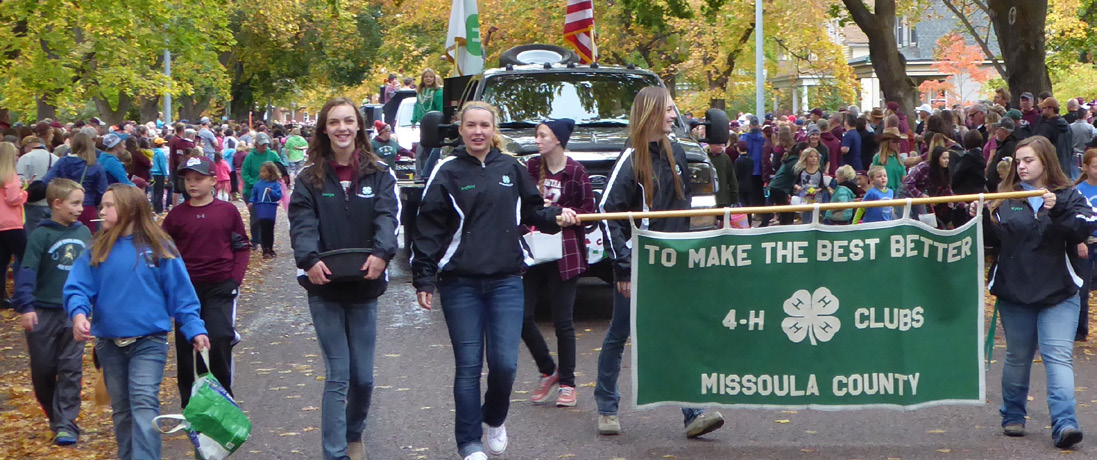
{"x":9,"y":153}
{"x":886,"y":153}
{"x":802,"y":164}
{"x":646,"y":122}
{"x":133,"y":210}
{"x":83,"y":146}
{"x":437,"y":80}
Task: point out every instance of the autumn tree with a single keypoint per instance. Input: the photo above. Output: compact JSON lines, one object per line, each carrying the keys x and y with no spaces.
{"x":961,"y":63}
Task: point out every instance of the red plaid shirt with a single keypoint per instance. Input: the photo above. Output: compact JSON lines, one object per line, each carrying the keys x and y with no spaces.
{"x":569,"y":188}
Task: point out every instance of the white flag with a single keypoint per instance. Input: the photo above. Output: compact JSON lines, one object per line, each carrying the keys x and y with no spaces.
{"x":463,"y":39}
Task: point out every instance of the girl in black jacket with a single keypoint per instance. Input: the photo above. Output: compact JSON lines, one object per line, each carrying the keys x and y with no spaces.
{"x":344,"y":198}
{"x":650,"y":175}
{"x":467,"y":235}
{"x":1036,"y":283}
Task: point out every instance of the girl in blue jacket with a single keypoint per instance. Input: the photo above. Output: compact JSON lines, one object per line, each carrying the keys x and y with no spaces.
{"x":132,"y":284}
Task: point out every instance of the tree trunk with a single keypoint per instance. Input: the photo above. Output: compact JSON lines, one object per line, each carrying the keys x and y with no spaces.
{"x":46,"y":109}
{"x":889,"y":64}
{"x":113,"y":116}
{"x":150,"y":108}
{"x":1021,"y":39}
{"x":191,"y":109}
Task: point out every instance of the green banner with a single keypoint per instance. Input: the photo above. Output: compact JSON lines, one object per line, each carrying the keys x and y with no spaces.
{"x":835,"y":317}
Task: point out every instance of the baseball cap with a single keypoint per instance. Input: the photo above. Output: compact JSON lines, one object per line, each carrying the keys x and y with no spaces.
{"x":111,"y":140}
{"x":1027,"y":95}
{"x":159,"y":141}
{"x":813,"y":129}
{"x":1007,"y":124}
{"x":1049,"y":102}
{"x":379,"y":125}
{"x":203,"y":121}
{"x":925,"y":108}
{"x":817,"y":111}
{"x":1014,"y":114}
{"x":200,"y":165}
{"x":262,"y":138}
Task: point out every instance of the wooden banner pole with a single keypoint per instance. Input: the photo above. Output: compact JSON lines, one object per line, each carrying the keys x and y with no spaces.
{"x":808,"y":207}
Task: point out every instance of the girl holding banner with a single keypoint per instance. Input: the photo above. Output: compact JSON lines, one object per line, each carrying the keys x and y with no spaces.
{"x":1036,"y":284}
{"x":467,"y":237}
{"x":650,"y":175}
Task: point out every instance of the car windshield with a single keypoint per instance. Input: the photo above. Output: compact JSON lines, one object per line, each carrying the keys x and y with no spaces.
{"x":589,"y":98}
{"x":403,"y":115}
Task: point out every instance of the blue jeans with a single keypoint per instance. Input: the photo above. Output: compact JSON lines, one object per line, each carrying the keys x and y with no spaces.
{"x":1086,"y":273}
{"x":347,"y":332}
{"x":606,"y":394}
{"x":1052,"y":330}
{"x":482,"y":312}
{"x":133,"y":374}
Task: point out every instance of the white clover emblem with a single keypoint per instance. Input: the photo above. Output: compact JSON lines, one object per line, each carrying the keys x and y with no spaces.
{"x":810,"y":316}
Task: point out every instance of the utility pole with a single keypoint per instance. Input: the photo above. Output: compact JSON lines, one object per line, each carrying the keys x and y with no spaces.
{"x":759,"y":66}
{"x":167,"y":92}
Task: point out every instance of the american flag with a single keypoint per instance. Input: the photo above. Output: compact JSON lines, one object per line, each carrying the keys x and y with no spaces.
{"x":579,"y":29}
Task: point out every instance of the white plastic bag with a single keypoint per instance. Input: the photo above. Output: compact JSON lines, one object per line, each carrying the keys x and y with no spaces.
{"x":544,"y":247}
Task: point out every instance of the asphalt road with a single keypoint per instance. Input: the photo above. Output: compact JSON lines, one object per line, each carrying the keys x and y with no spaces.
{"x":279,"y":383}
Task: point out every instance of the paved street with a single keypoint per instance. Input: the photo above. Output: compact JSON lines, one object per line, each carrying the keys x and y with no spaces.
{"x":279,"y":383}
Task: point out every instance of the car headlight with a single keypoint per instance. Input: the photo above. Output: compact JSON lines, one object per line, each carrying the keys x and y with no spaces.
{"x":702,"y":179}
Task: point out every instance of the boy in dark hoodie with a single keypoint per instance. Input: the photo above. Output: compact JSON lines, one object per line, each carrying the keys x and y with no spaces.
{"x":56,"y":358}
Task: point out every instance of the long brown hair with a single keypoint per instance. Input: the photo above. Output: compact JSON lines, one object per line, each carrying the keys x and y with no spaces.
{"x":320,"y":152}
{"x":646,"y":122}
{"x":1054,"y":178}
{"x":133,"y":209}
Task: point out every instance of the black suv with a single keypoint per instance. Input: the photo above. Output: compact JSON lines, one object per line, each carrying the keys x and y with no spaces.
{"x":598,"y":98}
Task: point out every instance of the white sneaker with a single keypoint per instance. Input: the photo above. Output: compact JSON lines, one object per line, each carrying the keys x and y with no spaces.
{"x":497,"y":439}
{"x":476,"y":456}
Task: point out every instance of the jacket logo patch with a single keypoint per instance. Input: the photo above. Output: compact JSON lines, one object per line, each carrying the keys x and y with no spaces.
{"x":367,"y":192}
{"x":468,"y":187}
{"x":506,"y":181}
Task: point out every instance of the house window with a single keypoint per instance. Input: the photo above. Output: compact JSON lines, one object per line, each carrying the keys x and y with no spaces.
{"x":905,"y":34}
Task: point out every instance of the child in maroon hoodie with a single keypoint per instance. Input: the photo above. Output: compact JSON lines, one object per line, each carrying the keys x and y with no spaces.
{"x":209,"y":234}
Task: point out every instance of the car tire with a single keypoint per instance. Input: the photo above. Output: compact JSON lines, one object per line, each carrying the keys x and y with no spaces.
{"x":513,"y":56}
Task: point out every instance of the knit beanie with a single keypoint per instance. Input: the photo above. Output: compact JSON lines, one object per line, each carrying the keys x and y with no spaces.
{"x":562,"y":128}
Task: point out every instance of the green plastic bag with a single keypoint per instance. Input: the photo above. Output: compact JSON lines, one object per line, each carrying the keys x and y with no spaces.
{"x":214,"y":422}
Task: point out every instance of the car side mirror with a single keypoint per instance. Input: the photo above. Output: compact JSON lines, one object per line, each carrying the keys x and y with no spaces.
{"x":716,"y":127}
{"x":433,"y":133}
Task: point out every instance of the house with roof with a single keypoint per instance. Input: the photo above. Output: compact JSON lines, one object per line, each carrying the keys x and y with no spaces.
{"x":917,"y":42}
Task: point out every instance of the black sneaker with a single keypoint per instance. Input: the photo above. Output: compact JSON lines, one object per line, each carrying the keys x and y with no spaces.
{"x":1014,"y":430}
{"x":1068,"y":437}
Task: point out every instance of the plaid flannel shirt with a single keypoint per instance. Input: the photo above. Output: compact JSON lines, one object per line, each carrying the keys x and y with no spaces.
{"x":578,"y":195}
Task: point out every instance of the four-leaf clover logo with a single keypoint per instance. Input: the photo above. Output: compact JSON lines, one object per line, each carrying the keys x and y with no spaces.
{"x":810,"y":316}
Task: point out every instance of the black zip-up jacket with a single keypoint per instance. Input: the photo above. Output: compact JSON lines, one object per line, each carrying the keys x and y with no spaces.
{"x":470,"y":217}
{"x":329,"y":218}
{"x":1038,"y":249}
{"x":624,"y":194}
